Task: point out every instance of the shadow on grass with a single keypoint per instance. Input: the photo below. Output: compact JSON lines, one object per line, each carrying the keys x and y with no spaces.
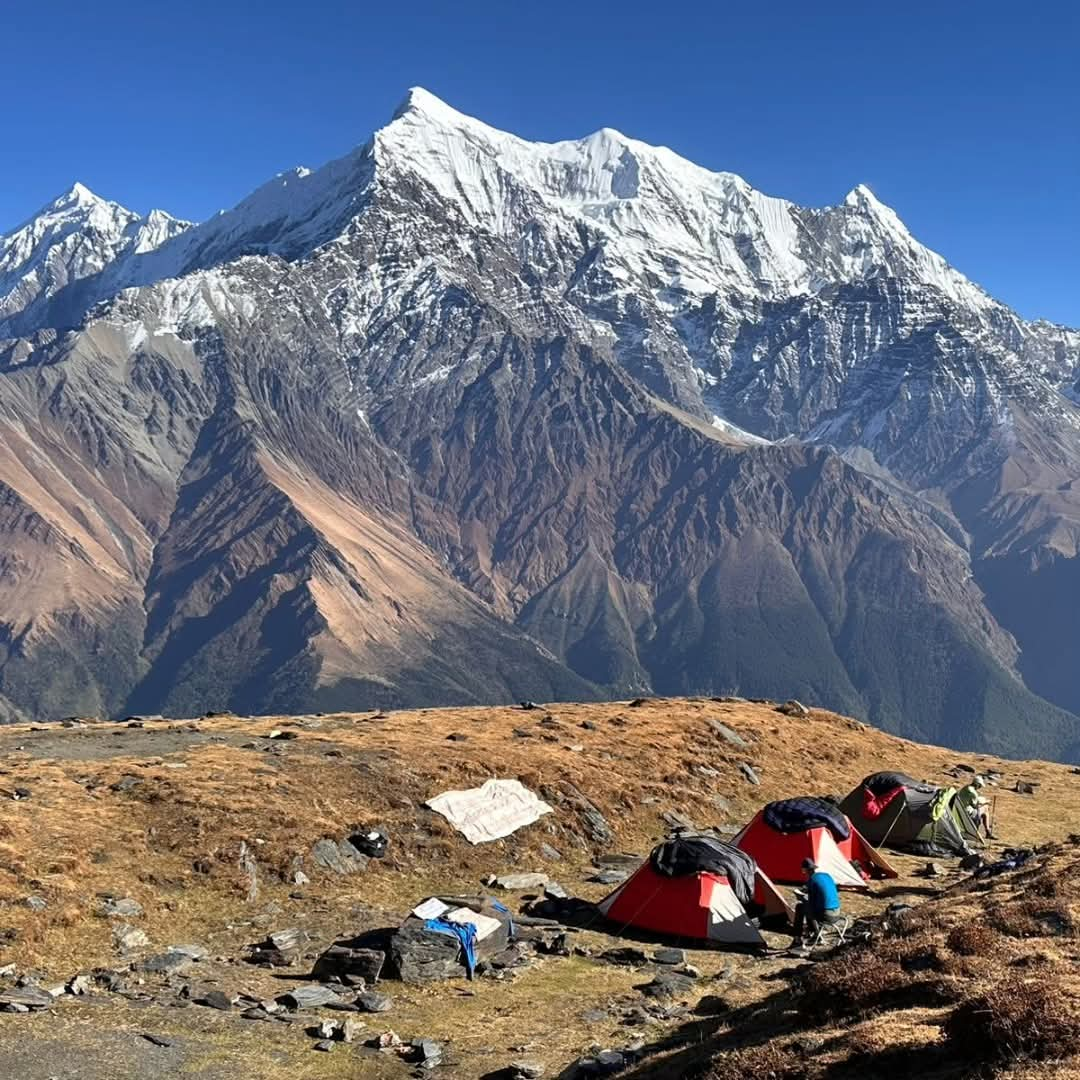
{"x":905,"y":890}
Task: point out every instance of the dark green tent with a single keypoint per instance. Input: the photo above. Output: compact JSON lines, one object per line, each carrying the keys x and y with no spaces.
{"x":893,"y":810}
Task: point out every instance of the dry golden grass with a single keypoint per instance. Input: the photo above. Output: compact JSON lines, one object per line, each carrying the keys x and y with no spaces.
{"x":173,"y":841}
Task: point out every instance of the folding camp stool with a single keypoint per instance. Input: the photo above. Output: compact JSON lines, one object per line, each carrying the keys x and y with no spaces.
{"x":831,"y":933}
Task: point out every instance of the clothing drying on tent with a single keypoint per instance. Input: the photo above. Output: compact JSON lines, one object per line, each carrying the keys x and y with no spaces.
{"x":689,"y":853}
{"x":797,"y":815}
{"x":698,"y":887}
{"x":882,"y":782}
{"x":892,"y":809}
{"x":783,"y":834}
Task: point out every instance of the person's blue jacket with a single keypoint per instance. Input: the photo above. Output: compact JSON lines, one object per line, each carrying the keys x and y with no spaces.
{"x":822,"y":894}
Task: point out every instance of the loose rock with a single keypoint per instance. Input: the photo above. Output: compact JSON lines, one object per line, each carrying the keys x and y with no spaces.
{"x":123,"y":907}
{"x":727,"y":734}
{"x":609,"y":876}
{"x":127,"y":938}
{"x":166,"y":963}
{"x":354,"y":967}
{"x":677,"y":821}
{"x":596,"y":825}
{"x":620,"y":861}
{"x":25,"y":999}
{"x":668,"y":985}
{"x":196,"y":952}
{"x":518,"y":882}
{"x":374,"y":1002}
{"x":526,"y":1070}
{"x":419,"y":955}
{"x":427,"y":1053}
{"x":217,"y":999}
{"x":281,"y":949}
{"x":669,"y":957}
{"x":308,"y":996}
{"x":747,"y":770}
{"x":793,"y":708}
{"x":339,"y":857}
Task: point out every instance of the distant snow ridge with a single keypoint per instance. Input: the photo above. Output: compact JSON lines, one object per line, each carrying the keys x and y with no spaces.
{"x":74,"y":237}
{"x":657,"y":213}
{"x":655,"y":206}
{"x":718,"y":297}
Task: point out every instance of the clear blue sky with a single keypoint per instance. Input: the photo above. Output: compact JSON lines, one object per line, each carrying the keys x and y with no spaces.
{"x":966,"y":121}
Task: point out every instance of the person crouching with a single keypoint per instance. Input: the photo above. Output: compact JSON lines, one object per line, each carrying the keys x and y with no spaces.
{"x":820,"y":906}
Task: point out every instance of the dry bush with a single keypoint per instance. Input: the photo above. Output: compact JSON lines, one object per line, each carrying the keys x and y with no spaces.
{"x":1051,"y":885}
{"x":974,"y":939}
{"x":1037,"y":1019}
{"x":971,"y":967}
{"x":900,"y":974}
{"x":768,"y":1062}
{"x":850,"y":986}
{"x":1034,"y":918}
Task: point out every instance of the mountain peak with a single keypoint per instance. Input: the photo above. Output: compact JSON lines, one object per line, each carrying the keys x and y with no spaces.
{"x":78,"y":196}
{"x":861,"y":197}
{"x":863,"y":200}
{"x":419,"y":101}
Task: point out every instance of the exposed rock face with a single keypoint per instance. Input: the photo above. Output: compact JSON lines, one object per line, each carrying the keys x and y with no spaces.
{"x":463,"y":418}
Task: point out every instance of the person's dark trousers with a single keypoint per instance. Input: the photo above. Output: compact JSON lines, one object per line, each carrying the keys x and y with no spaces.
{"x":806,"y":920}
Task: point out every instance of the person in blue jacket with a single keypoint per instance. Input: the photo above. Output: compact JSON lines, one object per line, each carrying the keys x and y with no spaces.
{"x":822,"y":904}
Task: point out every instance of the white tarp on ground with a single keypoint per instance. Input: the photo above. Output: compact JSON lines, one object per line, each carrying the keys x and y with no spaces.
{"x":496,"y":809}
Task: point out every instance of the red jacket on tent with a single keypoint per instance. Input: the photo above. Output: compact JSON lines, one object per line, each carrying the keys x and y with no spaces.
{"x":874,"y":805}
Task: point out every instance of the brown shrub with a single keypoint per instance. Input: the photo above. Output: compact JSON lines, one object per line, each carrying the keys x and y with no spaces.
{"x":856,"y":985}
{"x":1036,"y":1019}
{"x":973,"y":939}
{"x":970,"y":967}
{"x":1034,"y":917}
{"x":767,"y":1062}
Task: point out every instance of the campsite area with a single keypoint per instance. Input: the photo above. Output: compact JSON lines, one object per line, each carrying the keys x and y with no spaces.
{"x":151,"y":856}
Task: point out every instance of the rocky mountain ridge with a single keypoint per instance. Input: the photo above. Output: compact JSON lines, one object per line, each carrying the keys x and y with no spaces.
{"x":459,"y":417}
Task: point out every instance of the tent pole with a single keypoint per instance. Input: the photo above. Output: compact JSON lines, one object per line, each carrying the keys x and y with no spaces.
{"x":889,"y":829}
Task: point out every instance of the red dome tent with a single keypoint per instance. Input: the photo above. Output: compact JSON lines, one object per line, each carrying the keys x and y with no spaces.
{"x":785,"y":833}
{"x":696,"y":887}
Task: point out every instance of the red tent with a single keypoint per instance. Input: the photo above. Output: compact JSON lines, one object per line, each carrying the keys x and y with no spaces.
{"x":700,"y":905}
{"x":780,"y":854}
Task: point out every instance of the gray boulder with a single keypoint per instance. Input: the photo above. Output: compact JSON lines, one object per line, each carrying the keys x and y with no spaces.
{"x":338,"y":856}
{"x":352,"y":966}
{"x":420,"y":956}
{"x":308,"y":996}
{"x":283,"y":948}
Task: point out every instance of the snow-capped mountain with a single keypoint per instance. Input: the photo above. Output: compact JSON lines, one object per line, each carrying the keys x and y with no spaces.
{"x":75,"y":237}
{"x":460,"y":416}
